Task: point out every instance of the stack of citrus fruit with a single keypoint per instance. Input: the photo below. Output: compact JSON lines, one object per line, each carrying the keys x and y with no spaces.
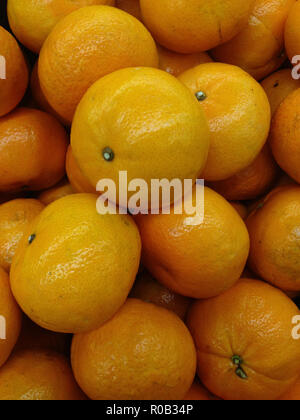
{"x":122,"y":277}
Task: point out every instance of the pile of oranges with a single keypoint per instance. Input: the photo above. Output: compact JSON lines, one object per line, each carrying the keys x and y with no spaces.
{"x":149,"y":306}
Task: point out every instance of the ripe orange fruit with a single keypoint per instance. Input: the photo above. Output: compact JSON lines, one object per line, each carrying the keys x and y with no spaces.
{"x":284,"y":137}
{"x":273,"y":229}
{"x":130,"y":6}
{"x":15,"y":217}
{"x":240,"y":208}
{"x":196,"y":26}
{"x":38,"y":375}
{"x":60,"y":190}
{"x":13,"y":73}
{"x":149,"y":290}
{"x":238,"y":113}
{"x":102,"y":39}
{"x":32,"y":21}
{"x":77,"y":261}
{"x":192,"y":259}
{"x":142,"y":121}
{"x":244,"y":343}
{"x":293,"y":394}
{"x":197,"y":392}
{"x":278,"y":86}
{"x":10,"y":321}
{"x":33,"y":147}
{"x":292,"y":32}
{"x":259,"y":47}
{"x":175,"y":63}
{"x":79,"y":182}
{"x":143,"y":353}
{"x":252,"y":182}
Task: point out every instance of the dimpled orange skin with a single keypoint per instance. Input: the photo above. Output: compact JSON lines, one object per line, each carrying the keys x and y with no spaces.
{"x":79,"y":182}
{"x":15,"y":217}
{"x":284,"y":136}
{"x":175,"y":63}
{"x":130,"y":6}
{"x":144,"y":352}
{"x":81,"y":263}
{"x":38,"y":375}
{"x":86,"y":45}
{"x":292,"y":32}
{"x":33,"y":148}
{"x":252,"y":182}
{"x":13,"y":88}
{"x":273,"y":229}
{"x":198,"y":26}
{"x":196,"y":260}
{"x":293,"y":394}
{"x":13,"y":318}
{"x":149,"y":120}
{"x":146,"y":288}
{"x":278,"y":86}
{"x":259,"y":48}
{"x":238,"y":113}
{"x":251,"y":321}
{"x":32,"y":21}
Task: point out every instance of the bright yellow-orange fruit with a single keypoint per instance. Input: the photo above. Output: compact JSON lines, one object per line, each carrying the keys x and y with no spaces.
{"x":10,"y":321}
{"x":74,"y":268}
{"x":238,"y":113}
{"x":38,"y":375}
{"x":244,"y":343}
{"x":196,"y":25}
{"x":60,"y":190}
{"x":293,"y":394}
{"x":259,"y":47}
{"x":292,"y":32}
{"x":143,"y":121}
{"x":143,"y":353}
{"x":86,"y":45}
{"x":13,"y":73}
{"x":79,"y":182}
{"x":130,"y":6}
{"x":194,"y":258}
{"x":32,"y":21}
{"x":15,"y":217}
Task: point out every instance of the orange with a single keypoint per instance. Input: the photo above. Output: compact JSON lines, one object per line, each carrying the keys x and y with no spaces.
{"x":175,"y":63}
{"x":10,"y":321}
{"x":60,"y":190}
{"x":38,"y":375}
{"x":240,"y":208}
{"x":13,"y":73}
{"x":244,"y":344}
{"x":238,"y":112}
{"x":130,"y":6}
{"x":77,"y":180}
{"x":33,"y":148}
{"x":197,"y":392}
{"x":86,"y":45}
{"x":292,"y":32}
{"x":195,"y":259}
{"x":278,"y":86}
{"x":259,"y":47}
{"x":15,"y":217}
{"x":293,"y":394}
{"x":32,"y":21}
{"x":274,"y":233}
{"x":143,"y":121}
{"x":77,"y":261}
{"x":143,"y":353}
{"x":252,"y":182}
{"x":284,"y":137}
{"x":148,"y":289}
{"x":196,"y":25}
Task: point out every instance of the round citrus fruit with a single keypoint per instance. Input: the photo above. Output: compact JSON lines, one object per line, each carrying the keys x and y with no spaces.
{"x":292,"y":31}
{"x":86,"y":45}
{"x":196,"y":25}
{"x":60,"y":190}
{"x":74,"y":268}
{"x":293,"y":394}
{"x":244,"y":343}
{"x":130,"y":6}
{"x":197,"y":392}
{"x":15,"y":217}
{"x":238,"y":112}
{"x":143,"y":353}
{"x":79,"y":182}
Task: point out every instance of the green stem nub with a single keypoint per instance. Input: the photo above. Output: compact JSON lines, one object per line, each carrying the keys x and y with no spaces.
{"x":201,"y":96}
{"x":238,"y":361}
{"x":108,"y":154}
{"x":31,"y":238}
